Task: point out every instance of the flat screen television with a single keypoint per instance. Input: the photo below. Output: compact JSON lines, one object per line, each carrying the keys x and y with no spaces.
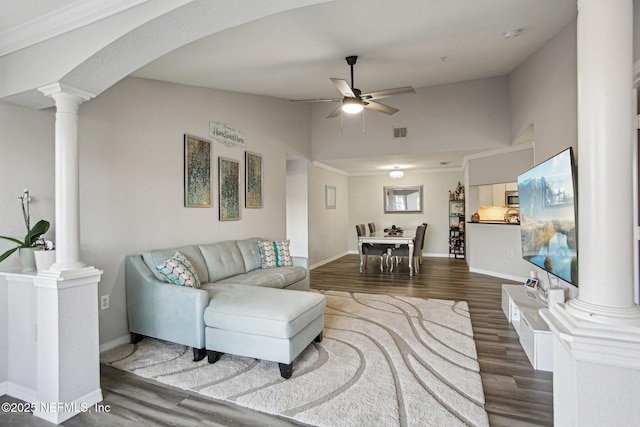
{"x":548,"y":216}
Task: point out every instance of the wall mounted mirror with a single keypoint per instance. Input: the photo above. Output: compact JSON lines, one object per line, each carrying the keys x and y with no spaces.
{"x":403,"y":199}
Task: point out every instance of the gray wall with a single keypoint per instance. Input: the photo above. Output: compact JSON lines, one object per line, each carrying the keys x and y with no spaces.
{"x":470,"y":115}
{"x":543,"y":92}
{"x":366,"y":205}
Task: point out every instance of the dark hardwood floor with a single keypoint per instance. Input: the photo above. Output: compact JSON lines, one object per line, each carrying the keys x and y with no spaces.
{"x":515,"y":393}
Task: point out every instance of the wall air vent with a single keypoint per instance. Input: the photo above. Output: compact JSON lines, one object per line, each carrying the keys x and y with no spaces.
{"x":400,"y":133}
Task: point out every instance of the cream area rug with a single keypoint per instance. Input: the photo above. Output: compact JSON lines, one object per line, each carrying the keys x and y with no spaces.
{"x":384,"y":361}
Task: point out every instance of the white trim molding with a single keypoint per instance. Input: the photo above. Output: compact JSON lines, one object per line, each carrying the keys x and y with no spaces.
{"x":594,"y":342}
{"x":76,"y":15}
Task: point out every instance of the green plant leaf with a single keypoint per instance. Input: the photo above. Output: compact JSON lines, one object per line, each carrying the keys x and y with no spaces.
{"x":12,"y":239}
{"x":7,"y":253}
{"x":36,"y":231}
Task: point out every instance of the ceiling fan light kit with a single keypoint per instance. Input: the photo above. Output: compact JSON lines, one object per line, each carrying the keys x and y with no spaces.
{"x":352,"y":105}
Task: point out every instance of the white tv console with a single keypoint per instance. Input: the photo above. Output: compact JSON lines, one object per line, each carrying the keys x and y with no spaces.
{"x":521,"y":308}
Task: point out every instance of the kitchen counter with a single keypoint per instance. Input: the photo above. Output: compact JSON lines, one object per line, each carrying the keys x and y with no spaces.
{"x":494,"y":222}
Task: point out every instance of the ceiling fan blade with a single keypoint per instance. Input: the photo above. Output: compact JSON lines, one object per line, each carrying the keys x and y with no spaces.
{"x":388,"y":92}
{"x":370,"y":105}
{"x":315,"y":100}
{"x":343,"y":87}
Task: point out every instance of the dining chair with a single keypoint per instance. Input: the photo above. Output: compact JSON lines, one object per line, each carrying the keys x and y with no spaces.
{"x":371,"y":248}
{"x":424,"y":236}
{"x":403,"y":250}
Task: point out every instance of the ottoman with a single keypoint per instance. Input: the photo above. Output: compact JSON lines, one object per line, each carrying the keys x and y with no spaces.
{"x":265,"y":323}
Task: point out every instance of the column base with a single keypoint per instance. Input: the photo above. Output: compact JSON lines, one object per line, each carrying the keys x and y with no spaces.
{"x":604,"y":314}
{"x":614,"y":343}
{"x":59,"y":412}
{"x":596,"y":368}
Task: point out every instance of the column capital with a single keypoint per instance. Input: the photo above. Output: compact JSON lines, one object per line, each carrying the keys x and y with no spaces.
{"x":57,"y":88}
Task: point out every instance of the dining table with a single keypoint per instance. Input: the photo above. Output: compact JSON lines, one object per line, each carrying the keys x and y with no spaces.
{"x":383,"y":237}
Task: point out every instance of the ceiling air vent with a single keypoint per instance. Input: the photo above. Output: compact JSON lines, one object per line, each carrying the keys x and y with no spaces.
{"x":400,"y":133}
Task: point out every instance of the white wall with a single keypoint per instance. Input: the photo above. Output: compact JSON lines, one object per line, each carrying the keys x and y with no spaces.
{"x":543,"y":92}
{"x":471,"y":115}
{"x":366,"y":204}
{"x":131,"y":171}
{"x":298,"y":207}
{"x":328,"y":228}
{"x":26,"y":144}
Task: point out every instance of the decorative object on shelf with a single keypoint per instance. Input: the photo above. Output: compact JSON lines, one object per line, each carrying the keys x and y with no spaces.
{"x":229,"y":189}
{"x":253,"y":180}
{"x":226,"y":134}
{"x":475,"y":217}
{"x":329,"y":197}
{"x":396,"y":173}
{"x":456,"y":224}
{"x":197,"y":172}
{"x":32,"y":241}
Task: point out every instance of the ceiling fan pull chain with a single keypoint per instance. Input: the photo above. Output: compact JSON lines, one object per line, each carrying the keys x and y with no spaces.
{"x":362,"y":121}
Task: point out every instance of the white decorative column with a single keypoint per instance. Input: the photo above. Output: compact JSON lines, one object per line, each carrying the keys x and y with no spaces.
{"x":68,"y":356}
{"x":67,"y":201}
{"x":597,"y":335}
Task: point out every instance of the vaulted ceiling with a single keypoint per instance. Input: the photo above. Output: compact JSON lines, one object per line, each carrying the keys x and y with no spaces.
{"x":292,"y":55}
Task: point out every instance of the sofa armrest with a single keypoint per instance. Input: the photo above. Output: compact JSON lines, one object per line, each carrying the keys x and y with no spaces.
{"x":299,"y":261}
{"x":163,"y":310}
{"x":304,"y":284}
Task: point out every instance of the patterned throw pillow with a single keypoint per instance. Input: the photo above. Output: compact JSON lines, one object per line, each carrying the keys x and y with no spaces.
{"x":275,"y":254}
{"x":179,"y":271}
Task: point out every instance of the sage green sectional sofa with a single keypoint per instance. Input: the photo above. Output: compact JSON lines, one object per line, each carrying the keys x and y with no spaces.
{"x":174,"y":313}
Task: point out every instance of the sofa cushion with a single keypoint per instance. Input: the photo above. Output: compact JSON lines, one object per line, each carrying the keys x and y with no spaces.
{"x":223,"y":259}
{"x":192,"y":253}
{"x":262,"y":311}
{"x":267,"y":278}
{"x":179,"y":271}
{"x":275,"y":254}
{"x":291,"y":275}
{"x":250,"y":253}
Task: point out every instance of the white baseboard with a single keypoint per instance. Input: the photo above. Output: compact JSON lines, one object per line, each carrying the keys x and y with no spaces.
{"x":497,"y":274}
{"x":328,"y":260}
{"x":18,"y":391}
{"x":3,"y":388}
{"x":126,"y":339}
{"x":59,"y":414}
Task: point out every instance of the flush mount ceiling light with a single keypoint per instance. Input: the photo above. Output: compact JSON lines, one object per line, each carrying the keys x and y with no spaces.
{"x":396,"y":174}
{"x":512,"y":34}
{"x":352,"y":105}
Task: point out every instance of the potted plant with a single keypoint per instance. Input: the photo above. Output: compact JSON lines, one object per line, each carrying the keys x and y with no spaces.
{"x":33,"y":239}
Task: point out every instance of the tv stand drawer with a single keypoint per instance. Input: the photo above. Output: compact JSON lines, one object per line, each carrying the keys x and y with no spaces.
{"x":535,"y":337}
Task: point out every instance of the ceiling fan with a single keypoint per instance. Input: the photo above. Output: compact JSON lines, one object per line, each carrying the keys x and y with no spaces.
{"x":354,"y":100}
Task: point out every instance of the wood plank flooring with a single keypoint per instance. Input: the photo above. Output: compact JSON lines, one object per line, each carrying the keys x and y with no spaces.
{"x":515,"y":393}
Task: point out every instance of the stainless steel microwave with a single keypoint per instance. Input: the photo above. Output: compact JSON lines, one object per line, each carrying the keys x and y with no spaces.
{"x":511,"y":199}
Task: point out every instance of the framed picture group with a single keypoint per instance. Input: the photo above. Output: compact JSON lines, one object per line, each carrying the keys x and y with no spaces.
{"x":198,"y":182}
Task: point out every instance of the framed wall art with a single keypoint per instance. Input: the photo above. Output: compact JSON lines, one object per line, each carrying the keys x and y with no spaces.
{"x":197,"y":172}
{"x":229,"y":189}
{"x":253,"y":180}
{"x":329,"y":197}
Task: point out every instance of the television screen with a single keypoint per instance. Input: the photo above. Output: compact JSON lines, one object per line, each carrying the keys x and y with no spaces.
{"x":548,"y":216}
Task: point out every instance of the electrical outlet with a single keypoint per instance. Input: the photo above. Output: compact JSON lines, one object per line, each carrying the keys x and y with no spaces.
{"x":104,"y":302}
{"x":510,"y":254}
